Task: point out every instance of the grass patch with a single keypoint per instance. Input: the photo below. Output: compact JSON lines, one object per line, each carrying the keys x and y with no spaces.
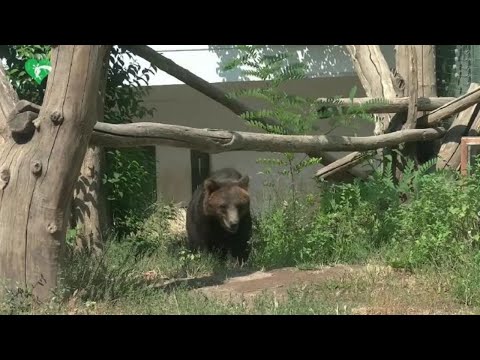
{"x":427,"y":225}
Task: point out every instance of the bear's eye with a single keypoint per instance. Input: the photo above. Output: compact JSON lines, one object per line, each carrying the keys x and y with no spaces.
{"x":223,"y":207}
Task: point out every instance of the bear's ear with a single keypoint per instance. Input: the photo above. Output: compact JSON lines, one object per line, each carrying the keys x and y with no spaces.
{"x":210,"y":186}
{"x":243,"y":182}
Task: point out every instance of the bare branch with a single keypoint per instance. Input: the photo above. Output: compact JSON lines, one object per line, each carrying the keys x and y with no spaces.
{"x":217,"y":141}
{"x":388,"y":105}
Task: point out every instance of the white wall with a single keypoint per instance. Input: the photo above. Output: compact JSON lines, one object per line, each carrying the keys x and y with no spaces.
{"x":331,"y":74}
{"x":206,"y":61}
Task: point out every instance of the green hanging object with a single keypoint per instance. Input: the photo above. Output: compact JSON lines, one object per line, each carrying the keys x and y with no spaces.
{"x":38,"y":69}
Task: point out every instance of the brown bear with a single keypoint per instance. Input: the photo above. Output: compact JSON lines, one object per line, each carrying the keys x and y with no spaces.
{"x":218,"y":216}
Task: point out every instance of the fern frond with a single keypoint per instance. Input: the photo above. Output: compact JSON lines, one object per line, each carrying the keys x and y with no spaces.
{"x":272,"y":59}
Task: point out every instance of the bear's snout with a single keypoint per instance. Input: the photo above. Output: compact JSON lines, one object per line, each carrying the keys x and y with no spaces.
{"x":231,"y":221}
{"x":233,"y":227}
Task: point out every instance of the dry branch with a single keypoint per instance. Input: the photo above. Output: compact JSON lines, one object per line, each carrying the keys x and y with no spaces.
{"x":217,"y":141}
{"x":390,"y":105}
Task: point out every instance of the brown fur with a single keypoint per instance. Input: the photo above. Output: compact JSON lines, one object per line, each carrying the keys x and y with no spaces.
{"x":218,"y":216}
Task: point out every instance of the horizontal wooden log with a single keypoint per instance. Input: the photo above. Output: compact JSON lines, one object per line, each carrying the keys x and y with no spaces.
{"x":452,"y":108}
{"x":217,"y":141}
{"x":431,"y":119}
{"x":389,"y":105}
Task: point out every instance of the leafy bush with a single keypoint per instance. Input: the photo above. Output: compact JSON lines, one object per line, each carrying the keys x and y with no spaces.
{"x":427,"y":220}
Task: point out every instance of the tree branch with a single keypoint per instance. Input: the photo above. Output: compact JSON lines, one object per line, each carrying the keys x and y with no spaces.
{"x":389,"y":105}
{"x":192,"y":80}
{"x":350,"y":160}
{"x":217,"y":141}
{"x":377,"y":80}
{"x":453,"y":107}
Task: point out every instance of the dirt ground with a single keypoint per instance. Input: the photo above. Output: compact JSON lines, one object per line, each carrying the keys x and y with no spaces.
{"x":359,"y":290}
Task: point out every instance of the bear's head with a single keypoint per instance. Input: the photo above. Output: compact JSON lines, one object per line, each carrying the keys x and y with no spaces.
{"x":227,"y":201}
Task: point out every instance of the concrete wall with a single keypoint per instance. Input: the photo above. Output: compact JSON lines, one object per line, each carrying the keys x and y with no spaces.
{"x":181,"y":105}
{"x":331,"y":73}
{"x":207,"y":61}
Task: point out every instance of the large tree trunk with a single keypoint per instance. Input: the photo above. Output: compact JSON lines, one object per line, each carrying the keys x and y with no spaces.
{"x":426,"y":88}
{"x":89,"y":205}
{"x":378,"y":82}
{"x":375,"y":76}
{"x":89,"y":213}
{"x":41,"y":167}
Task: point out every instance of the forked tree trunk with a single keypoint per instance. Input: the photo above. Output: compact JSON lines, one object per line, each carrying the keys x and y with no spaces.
{"x":39,"y":173}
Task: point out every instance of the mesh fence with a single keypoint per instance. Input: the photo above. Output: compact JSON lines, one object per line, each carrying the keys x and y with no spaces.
{"x":457,"y":67}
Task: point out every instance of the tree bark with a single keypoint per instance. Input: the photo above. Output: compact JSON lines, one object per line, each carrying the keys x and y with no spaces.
{"x":426,"y":88}
{"x":42,"y":168}
{"x":412,"y":82}
{"x":8,"y":99}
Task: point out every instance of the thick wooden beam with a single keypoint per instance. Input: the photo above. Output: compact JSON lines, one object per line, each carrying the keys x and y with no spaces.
{"x":217,"y":141}
{"x":461,"y":103}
